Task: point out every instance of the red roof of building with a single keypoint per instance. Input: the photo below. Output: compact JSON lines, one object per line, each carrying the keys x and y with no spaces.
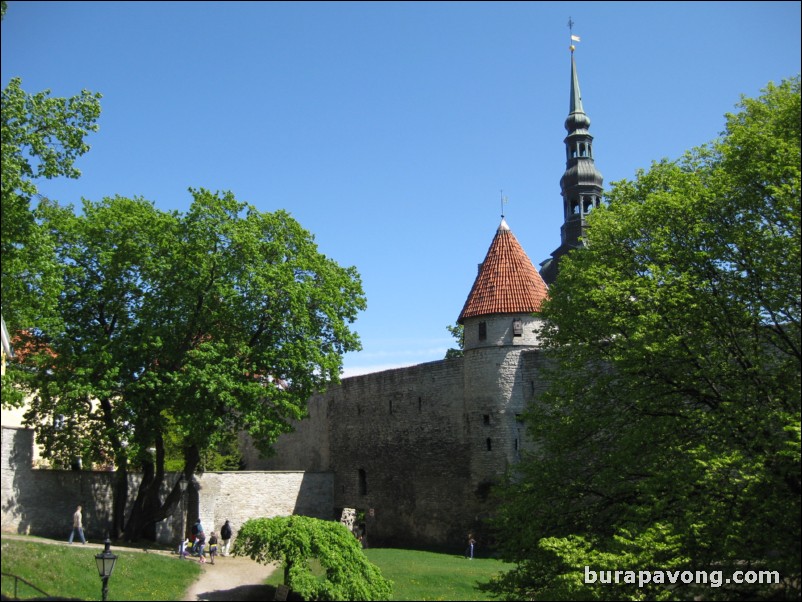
{"x":507,"y":281}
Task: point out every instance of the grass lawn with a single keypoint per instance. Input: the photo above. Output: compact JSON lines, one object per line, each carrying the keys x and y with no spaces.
{"x":435,"y":576}
{"x":71,"y":572}
{"x":429,"y":575}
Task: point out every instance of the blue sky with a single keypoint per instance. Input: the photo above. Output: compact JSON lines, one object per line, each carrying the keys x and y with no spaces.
{"x":390,"y":129}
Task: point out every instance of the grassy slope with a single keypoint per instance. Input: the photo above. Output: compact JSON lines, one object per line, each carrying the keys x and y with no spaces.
{"x":434,"y":576}
{"x":71,"y":572}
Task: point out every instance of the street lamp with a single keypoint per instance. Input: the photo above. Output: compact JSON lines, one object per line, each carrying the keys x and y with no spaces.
{"x":105,"y":565}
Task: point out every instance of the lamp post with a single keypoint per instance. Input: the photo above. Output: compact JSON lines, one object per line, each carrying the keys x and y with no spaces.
{"x":105,"y":565}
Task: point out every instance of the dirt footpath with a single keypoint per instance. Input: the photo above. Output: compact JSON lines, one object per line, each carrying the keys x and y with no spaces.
{"x":231,"y":578}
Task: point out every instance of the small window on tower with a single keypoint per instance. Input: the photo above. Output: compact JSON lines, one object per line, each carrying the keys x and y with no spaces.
{"x":363,"y":482}
{"x":486,"y":419}
{"x":517,"y":328}
{"x":482,"y":331}
{"x":489,"y":444}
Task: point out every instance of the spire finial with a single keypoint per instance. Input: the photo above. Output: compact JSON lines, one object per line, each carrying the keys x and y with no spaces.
{"x":503,"y":202}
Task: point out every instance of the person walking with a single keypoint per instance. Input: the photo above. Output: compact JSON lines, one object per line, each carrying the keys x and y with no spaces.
{"x":77,"y":525}
{"x":225,"y":535}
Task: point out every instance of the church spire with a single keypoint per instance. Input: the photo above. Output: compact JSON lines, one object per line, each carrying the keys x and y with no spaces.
{"x":581,"y":184}
{"x":577,"y":119}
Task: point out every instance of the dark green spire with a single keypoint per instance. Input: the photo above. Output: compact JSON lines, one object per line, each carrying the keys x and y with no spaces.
{"x":581,"y":184}
{"x":576,"y":114}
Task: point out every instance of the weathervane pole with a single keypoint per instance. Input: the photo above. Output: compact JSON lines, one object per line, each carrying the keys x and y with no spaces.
{"x":571,"y":33}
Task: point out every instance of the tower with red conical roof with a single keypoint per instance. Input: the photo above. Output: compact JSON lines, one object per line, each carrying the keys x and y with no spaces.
{"x":501,"y":321}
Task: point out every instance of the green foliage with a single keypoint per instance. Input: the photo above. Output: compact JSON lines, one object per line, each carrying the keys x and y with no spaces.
{"x":71,"y":573}
{"x":670,"y":433}
{"x":181,"y":329}
{"x":294,"y":541}
{"x":458,"y":332}
{"x":42,"y":137}
{"x":224,"y":455}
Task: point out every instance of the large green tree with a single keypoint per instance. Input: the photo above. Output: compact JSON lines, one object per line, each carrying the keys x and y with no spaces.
{"x":184,"y":328}
{"x":669,"y":437}
{"x":296,"y":541}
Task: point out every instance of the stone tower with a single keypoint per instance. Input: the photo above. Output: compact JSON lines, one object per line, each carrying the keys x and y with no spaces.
{"x":500,"y":323}
{"x":581,"y":184}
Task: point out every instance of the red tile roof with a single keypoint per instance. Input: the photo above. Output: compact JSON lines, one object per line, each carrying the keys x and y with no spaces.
{"x":507,"y":281}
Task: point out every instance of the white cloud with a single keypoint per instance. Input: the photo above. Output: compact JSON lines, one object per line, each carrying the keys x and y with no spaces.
{"x":390,"y":358}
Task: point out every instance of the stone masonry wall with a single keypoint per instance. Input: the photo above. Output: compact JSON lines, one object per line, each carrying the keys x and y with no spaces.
{"x":399,"y":453}
{"x":396,"y":445}
{"x":41,"y":502}
{"x":239,"y":496}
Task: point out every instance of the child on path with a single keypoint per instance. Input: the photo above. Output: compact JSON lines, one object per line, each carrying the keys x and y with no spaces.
{"x":212,"y":546}
{"x":183,"y":548}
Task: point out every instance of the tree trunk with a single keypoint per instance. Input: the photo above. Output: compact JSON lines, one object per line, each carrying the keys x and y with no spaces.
{"x":148,"y":509}
{"x":120,"y":493}
{"x":135,"y":527}
{"x":191,"y":461}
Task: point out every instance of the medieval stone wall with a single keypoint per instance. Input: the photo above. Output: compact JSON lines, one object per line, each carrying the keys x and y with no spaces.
{"x":41,"y":502}
{"x":409,"y":447}
{"x":401,"y":454}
